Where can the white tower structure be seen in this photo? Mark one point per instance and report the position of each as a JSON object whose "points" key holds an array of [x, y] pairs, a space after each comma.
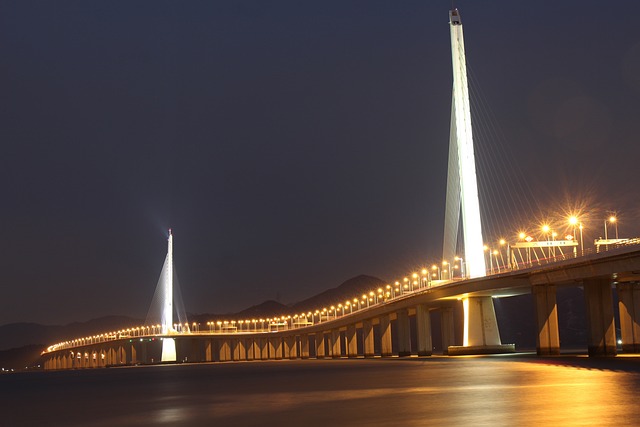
{"points": [[168, 344], [481, 333], [167, 306], [462, 184]]}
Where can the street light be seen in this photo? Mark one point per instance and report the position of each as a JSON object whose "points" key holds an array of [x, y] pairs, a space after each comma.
{"points": [[574, 221], [611, 220], [545, 230], [434, 268], [461, 261]]}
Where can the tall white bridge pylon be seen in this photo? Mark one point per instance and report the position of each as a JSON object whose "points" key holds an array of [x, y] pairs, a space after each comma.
{"points": [[462, 202], [161, 311]]}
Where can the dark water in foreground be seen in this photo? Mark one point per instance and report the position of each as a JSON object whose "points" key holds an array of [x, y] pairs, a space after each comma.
{"points": [[498, 390]]}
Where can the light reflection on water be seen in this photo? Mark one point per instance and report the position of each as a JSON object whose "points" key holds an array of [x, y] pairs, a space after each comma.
{"points": [[455, 391]]}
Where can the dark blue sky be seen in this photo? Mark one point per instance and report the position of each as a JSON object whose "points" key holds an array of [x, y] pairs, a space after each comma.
{"points": [[290, 145]]}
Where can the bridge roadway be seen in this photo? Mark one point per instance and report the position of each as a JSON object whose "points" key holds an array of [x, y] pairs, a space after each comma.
{"points": [[368, 332]]}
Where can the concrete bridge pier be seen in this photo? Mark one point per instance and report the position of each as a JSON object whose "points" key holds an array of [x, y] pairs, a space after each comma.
{"points": [[239, 349], [404, 333], [352, 343], [481, 335], [447, 329], [275, 348], [304, 346], [386, 349], [263, 348], [334, 344], [208, 351], [319, 341], [290, 347], [629, 306], [368, 338], [546, 311], [423, 331], [601, 330], [251, 349], [225, 350]]}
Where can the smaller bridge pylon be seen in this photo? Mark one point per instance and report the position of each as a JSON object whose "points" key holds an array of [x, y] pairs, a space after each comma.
{"points": [[161, 311]]}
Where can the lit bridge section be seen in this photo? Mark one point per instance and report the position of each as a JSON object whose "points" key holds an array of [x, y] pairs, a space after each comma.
{"points": [[365, 329]]}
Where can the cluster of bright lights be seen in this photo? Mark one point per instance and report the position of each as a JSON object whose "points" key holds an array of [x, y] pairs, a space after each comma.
{"points": [[137, 331], [422, 278]]}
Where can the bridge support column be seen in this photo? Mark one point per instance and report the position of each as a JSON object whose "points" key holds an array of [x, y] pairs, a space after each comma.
{"points": [[367, 338], [263, 348], [208, 353], [599, 306], [447, 329], [275, 348], [386, 349], [233, 349], [225, 350], [290, 347], [548, 337], [334, 344], [629, 306], [239, 350], [423, 331], [304, 346], [404, 333], [320, 353], [134, 353], [251, 349], [481, 335], [352, 343]]}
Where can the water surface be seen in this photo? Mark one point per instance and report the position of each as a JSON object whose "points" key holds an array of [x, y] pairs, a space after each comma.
{"points": [[489, 390]]}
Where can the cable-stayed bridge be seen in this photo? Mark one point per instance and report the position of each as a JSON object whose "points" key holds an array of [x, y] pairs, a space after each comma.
{"points": [[469, 276]]}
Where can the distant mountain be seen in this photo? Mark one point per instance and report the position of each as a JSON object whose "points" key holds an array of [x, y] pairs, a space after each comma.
{"points": [[352, 288], [268, 308]]}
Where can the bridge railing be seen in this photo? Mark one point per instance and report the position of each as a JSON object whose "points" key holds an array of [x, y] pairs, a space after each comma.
{"points": [[519, 259]]}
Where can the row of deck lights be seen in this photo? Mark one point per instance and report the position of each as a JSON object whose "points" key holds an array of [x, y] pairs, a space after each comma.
{"points": [[408, 284], [424, 279]]}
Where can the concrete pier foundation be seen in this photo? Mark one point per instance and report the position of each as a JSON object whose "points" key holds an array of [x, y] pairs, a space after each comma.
{"points": [[601, 332], [368, 338], [546, 312], [629, 307], [423, 331], [386, 349], [404, 333]]}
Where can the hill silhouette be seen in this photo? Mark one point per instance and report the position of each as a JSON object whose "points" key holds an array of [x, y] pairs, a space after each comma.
{"points": [[348, 290]]}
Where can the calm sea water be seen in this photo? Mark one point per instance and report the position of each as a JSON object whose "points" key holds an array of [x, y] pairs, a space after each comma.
{"points": [[490, 390]]}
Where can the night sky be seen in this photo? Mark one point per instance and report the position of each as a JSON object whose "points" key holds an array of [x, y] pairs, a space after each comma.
{"points": [[291, 145]]}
